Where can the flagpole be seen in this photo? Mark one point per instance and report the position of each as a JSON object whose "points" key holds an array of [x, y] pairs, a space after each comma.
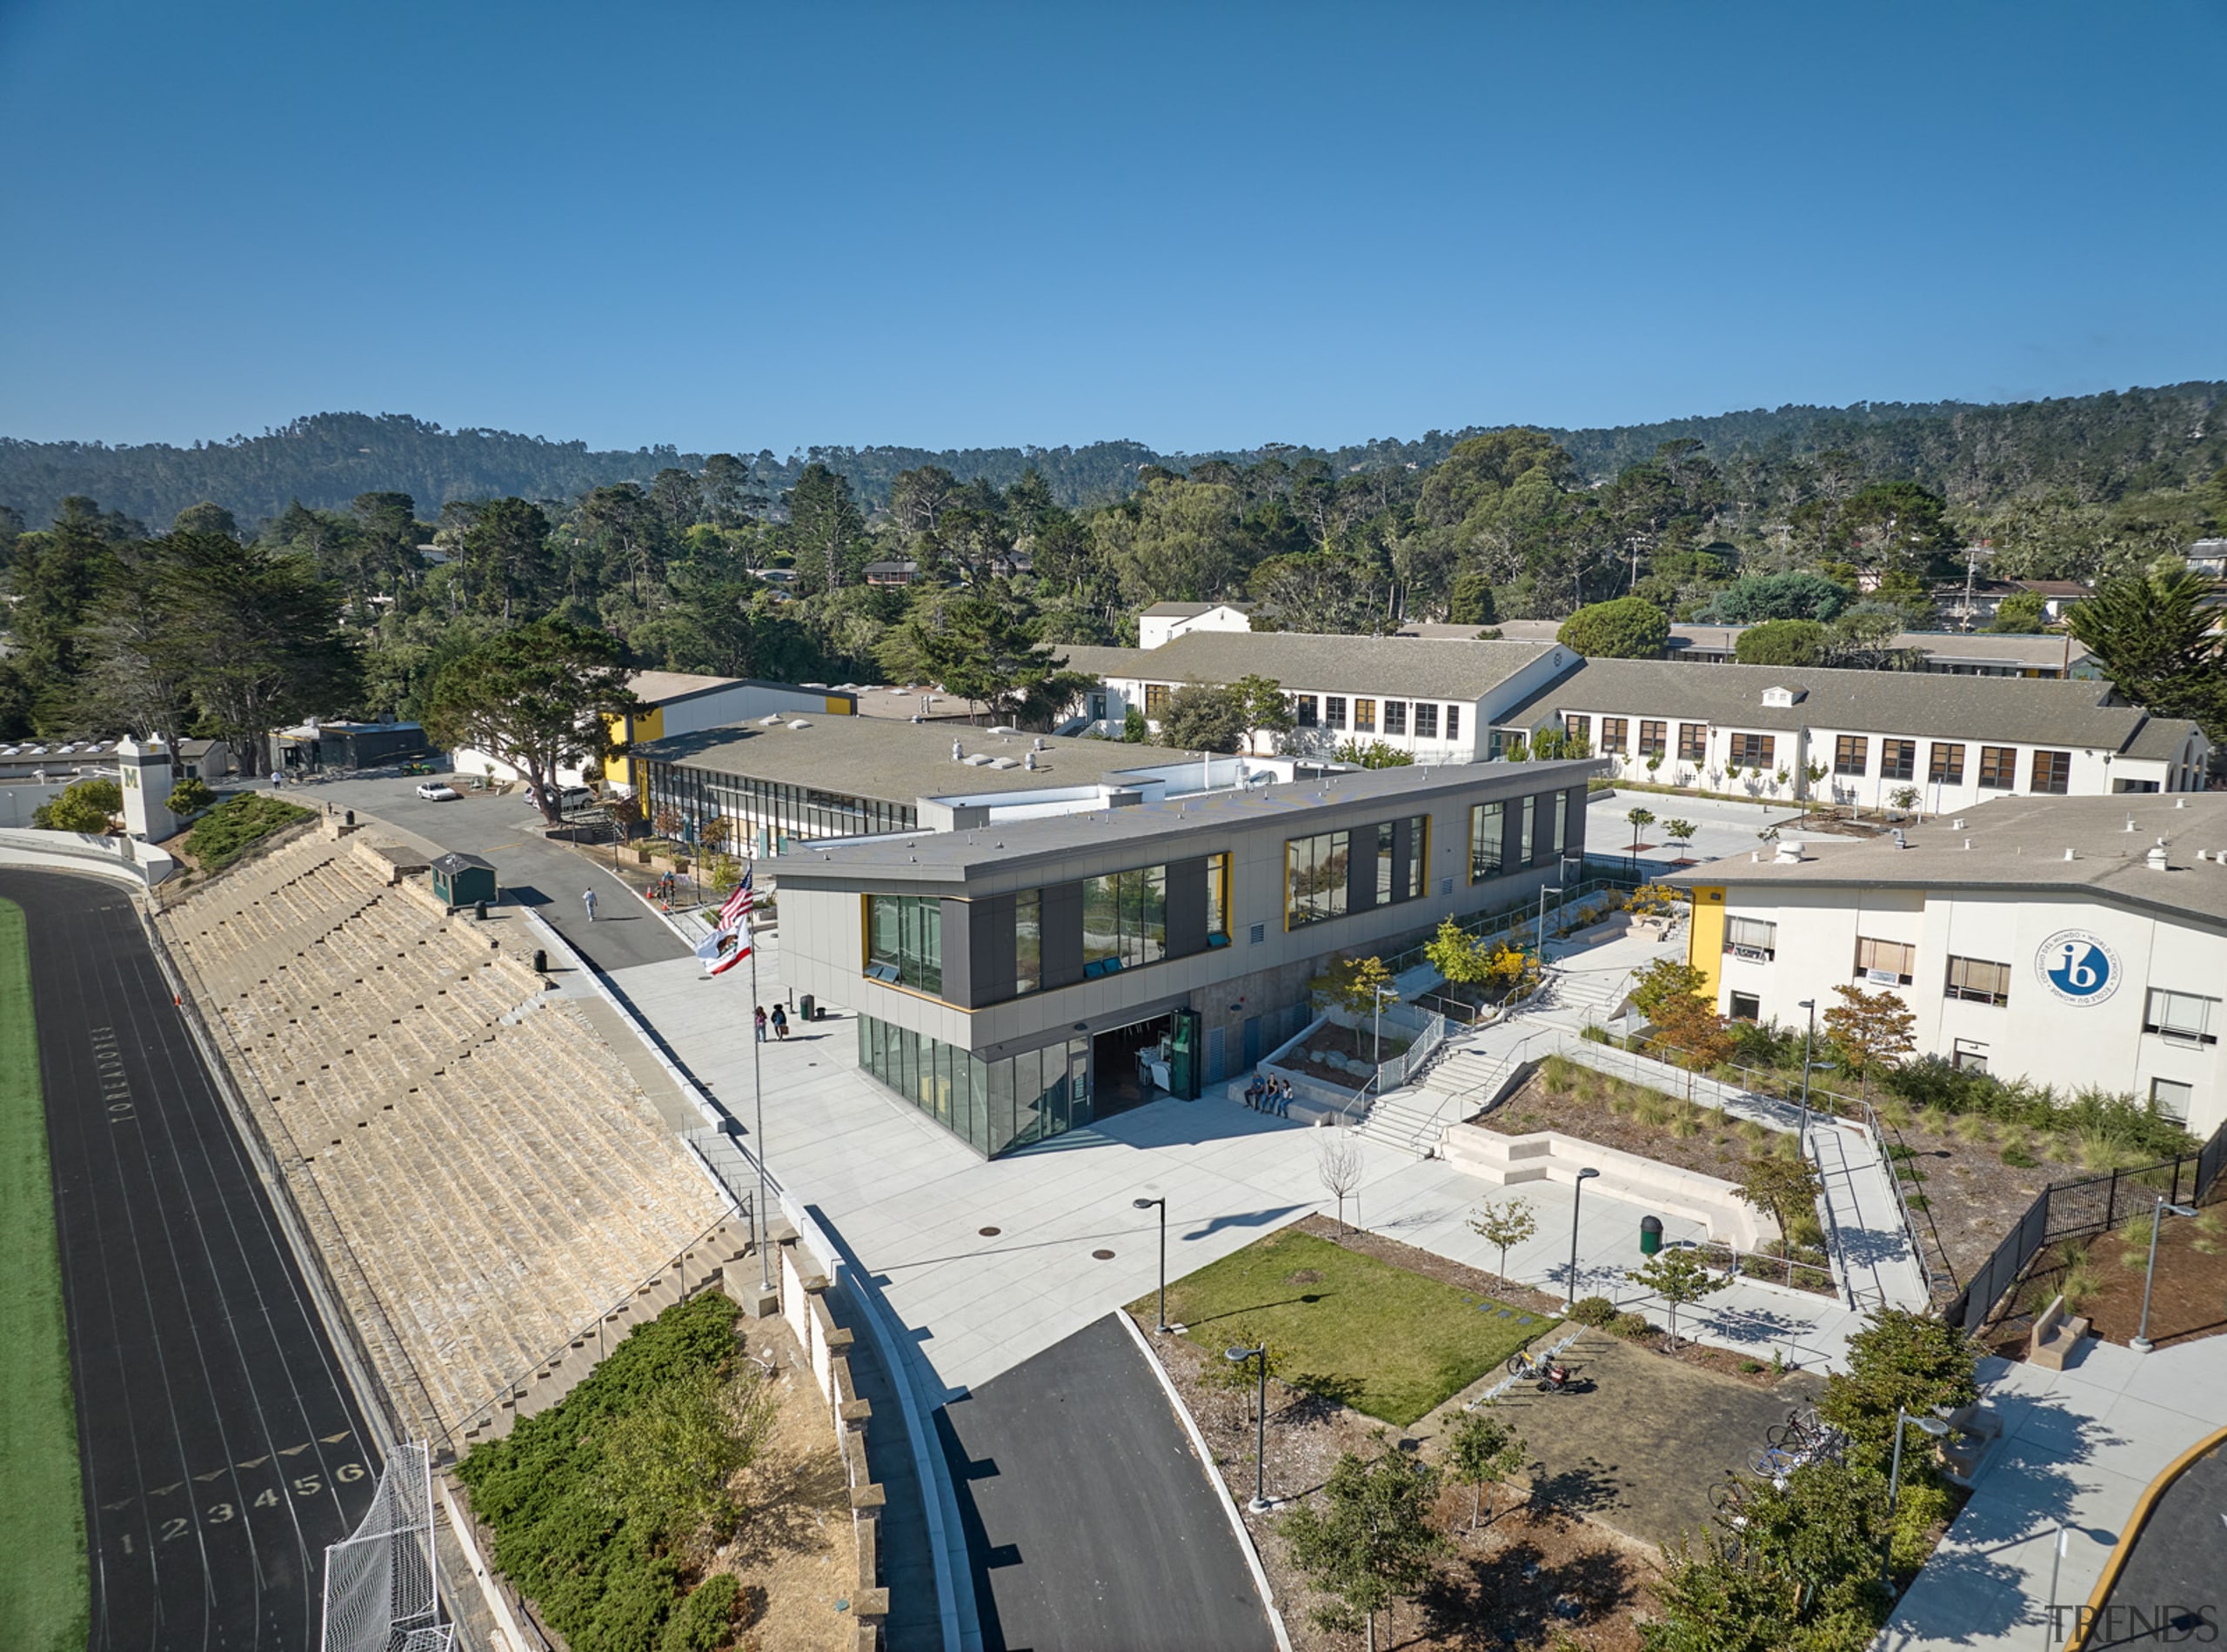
{"points": [[758, 1097]]}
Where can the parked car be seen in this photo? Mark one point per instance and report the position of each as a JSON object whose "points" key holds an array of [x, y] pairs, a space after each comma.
{"points": [[437, 792]]}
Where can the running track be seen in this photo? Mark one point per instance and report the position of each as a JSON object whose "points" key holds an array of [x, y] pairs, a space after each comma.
{"points": [[221, 1448]]}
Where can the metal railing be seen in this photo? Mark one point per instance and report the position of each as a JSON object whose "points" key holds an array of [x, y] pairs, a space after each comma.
{"points": [[1891, 1161], [1492, 925]]}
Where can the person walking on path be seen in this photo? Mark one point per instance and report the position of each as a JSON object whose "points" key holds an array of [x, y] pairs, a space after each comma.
{"points": [[759, 1018], [780, 1022], [587, 899]]}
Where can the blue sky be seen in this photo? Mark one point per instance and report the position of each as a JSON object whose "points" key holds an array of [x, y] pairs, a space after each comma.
{"points": [[735, 227]]}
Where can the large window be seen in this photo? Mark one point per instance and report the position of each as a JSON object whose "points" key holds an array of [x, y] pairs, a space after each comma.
{"points": [[1217, 901], [1304, 711], [1885, 962], [1426, 721], [1453, 722], [2053, 772], [1487, 822], [1124, 920], [1693, 742], [1752, 750], [1578, 728], [1851, 755], [993, 1105], [2171, 1099], [1391, 884], [1395, 716], [1333, 711], [1998, 767], [1315, 877], [1529, 836], [905, 941], [1946, 766], [1751, 938], [1562, 823], [1156, 698], [1977, 981], [1364, 717], [2181, 1018], [1613, 732], [1897, 759], [1028, 941], [1655, 739]]}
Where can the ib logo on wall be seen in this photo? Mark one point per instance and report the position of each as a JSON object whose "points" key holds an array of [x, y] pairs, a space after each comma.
{"points": [[2079, 967]]}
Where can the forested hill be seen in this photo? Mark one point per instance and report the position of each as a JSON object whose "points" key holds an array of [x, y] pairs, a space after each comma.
{"points": [[2093, 447]]}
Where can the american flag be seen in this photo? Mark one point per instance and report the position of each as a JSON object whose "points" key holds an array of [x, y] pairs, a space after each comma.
{"points": [[738, 906]]}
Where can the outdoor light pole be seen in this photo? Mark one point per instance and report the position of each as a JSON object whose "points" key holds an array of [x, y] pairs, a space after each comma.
{"points": [[1237, 1356], [1577, 1198], [1809, 1038], [1545, 889], [1932, 1425], [2142, 1344], [1146, 1204]]}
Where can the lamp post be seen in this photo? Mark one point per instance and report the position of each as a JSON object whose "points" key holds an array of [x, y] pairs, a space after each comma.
{"points": [[1577, 1198], [1237, 1356], [1932, 1425], [1809, 1038], [2142, 1344], [1146, 1204], [1545, 889]]}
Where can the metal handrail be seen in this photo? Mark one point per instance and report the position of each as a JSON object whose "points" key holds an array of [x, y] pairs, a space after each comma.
{"points": [[496, 1395], [1892, 1166]]}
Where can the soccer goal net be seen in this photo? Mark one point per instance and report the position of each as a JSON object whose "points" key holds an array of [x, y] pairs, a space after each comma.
{"points": [[380, 1594]]}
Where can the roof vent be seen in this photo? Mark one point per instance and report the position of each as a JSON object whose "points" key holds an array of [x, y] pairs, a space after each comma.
{"points": [[1038, 746], [1900, 841], [1006, 763], [772, 720], [2155, 858], [958, 753], [1790, 853], [798, 722], [2071, 855], [1030, 760], [2129, 823], [979, 759], [1960, 823], [2180, 803]]}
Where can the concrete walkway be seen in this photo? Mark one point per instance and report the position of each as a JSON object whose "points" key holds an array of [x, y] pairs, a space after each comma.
{"points": [[2078, 1449]]}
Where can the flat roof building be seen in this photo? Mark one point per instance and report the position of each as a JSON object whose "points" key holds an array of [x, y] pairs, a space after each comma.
{"points": [[1007, 979], [2071, 941], [1953, 742], [1955, 653]]}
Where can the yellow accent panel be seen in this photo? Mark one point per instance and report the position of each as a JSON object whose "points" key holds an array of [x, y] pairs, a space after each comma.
{"points": [[1705, 939], [841, 707], [650, 725]]}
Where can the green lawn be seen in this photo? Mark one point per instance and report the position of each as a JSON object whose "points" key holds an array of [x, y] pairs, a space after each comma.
{"points": [[43, 1580], [1386, 1341]]}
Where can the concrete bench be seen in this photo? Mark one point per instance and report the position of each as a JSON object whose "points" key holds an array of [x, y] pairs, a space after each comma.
{"points": [[1973, 1431], [2054, 1336]]}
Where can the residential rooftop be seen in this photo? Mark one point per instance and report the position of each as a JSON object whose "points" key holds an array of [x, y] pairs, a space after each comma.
{"points": [[2040, 650], [2011, 710], [1411, 667], [2017, 845], [951, 856], [669, 687]]}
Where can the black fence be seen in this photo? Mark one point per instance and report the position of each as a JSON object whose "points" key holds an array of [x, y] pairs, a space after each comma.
{"points": [[2072, 1209]]}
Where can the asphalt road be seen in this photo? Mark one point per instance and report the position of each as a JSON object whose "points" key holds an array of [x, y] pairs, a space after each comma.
{"points": [[533, 871], [2173, 1589], [221, 1450], [1090, 1523]]}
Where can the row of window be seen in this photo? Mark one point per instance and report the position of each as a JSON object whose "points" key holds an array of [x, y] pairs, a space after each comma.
{"points": [[779, 810], [2051, 773], [1489, 835], [1329, 711], [1318, 870], [2185, 1017]]}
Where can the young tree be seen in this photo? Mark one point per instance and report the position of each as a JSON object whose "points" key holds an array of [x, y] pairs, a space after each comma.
{"points": [[1340, 1164], [1870, 1031], [86, 806], [543, 697], [1692, 1026], [1502, 1225], [1782, 1188], [1662, 983], [1899, 1359], [1641, 818], [1482, 1451], [1370, 1543], [1680, 1277], [1680, 833], [1457, 955], [1626, 628], [191, 796], [1134, 730], [1266, 711]]}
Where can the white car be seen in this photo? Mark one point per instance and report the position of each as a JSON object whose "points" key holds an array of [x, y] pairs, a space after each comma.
{"points": [[438, 792]]}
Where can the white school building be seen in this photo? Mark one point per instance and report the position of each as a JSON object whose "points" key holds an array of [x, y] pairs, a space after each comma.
{"points": [[2070, 941]]}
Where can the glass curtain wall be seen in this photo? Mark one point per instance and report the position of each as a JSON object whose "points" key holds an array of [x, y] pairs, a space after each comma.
{"points": [[993, 1105], [1485, 827], [777, 810], [1124, 920], [1314, 877], [905, 941]]}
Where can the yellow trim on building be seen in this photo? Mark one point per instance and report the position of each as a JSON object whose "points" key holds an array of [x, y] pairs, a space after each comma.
{"points": [[1705, 939], [650, 725], [845, 707]]}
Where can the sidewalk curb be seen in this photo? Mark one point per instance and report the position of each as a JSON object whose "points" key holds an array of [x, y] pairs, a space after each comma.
{"points": [[2131, 1531], [1228, 1498]]}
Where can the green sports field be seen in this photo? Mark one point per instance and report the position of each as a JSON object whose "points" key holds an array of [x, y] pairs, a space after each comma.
{"points": [[43, 1579]]}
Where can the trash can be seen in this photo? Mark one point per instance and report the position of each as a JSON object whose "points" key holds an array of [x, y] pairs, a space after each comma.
{"points": [[479, 911], [352, 817], [808, 1008], [540, 962], [1650, 1236]]}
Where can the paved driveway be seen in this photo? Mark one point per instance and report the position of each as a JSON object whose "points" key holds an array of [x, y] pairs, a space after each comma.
{"points": [[1090, 1521]]}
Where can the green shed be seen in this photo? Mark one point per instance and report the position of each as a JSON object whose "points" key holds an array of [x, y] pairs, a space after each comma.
{"points": [[459, 880]]}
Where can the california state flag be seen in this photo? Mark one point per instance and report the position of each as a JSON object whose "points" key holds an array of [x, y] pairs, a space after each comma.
{"points": [[724, 949]]}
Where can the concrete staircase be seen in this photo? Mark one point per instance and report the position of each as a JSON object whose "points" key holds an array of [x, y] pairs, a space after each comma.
{"points": [[1581, 995]]}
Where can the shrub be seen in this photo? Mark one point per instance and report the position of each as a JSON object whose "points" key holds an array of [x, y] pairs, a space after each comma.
{"points": [[1622, 628], [84, 807], [2019, 1159], [230, 829], [705, 1618], [1559, 1074], [1596, 1311], [1631, 1327], [1594, 1032], [191, 796]]}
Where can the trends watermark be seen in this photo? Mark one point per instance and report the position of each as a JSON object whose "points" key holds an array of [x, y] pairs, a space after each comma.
{"points": [[2127, 1623]]}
